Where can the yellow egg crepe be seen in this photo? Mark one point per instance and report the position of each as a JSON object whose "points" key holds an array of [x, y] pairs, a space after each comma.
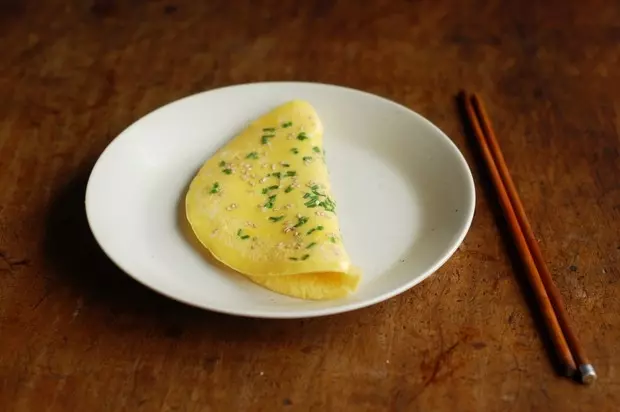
{"points": [[262, 205]]}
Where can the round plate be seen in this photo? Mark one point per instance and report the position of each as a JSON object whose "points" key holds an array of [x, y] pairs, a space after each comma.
{"points": [[404, 191]]}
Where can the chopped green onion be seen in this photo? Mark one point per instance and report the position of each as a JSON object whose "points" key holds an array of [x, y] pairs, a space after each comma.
{"points": [[252, 155], [301, 221], [286, 165], [269, 203], [306, 158], [269, 129], [293, 258], [311, 203], [304, 257], [287, 124], [294, 150], [215, 188], [332, 239], [288, 189], [328, 204], [316, 149], [241, 235], [291, 173], [227, 171], [265, 138], [276, 218], [268, 189], [311, 245], [307, 195], [314, 229], [302, 136], [276, 174], [222, 163]]}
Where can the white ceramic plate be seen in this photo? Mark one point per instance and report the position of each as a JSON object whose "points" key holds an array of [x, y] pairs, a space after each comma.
{"points": [[404, 191]]}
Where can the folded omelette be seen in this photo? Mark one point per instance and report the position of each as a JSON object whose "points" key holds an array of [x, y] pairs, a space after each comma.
{"points": [[262, 205]]}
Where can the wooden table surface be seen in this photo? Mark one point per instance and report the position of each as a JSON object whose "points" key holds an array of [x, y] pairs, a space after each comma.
{"points": [[76, 334]]}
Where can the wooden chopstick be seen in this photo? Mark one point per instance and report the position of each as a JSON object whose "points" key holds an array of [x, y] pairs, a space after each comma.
{"points": [[548, 314], [588, 374], [586, 370]]}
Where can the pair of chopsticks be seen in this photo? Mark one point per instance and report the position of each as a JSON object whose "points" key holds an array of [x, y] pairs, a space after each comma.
{"points": [[565, 342]]}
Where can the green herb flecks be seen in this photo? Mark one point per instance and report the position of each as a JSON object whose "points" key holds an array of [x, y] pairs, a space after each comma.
{"points": [[314, 229], [227, 171], [301, 221], [265, 138], [222, 163], [313, 202], [270, 201], [288, 189], [316, 149], [215, 188], [241, 235], [269, 189], [291, 173], [311, 245], [287, 124], [285, 165], [304, 257], [269, 129], [313, 198], [252, 155], [332, 238], [276, 218], [307, 158], [295, 150], [302, 136], [277, 174], [315, 191], [328, 204]]}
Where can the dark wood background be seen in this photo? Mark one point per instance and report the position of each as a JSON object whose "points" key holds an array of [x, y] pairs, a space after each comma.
{"points": [[76, 334]]}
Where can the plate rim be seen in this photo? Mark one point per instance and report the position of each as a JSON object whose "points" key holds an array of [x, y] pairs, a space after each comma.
{"points": [[306, 313]]}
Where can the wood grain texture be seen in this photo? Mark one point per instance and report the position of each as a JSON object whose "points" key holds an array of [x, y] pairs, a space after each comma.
{"points": [[76, 334]]}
